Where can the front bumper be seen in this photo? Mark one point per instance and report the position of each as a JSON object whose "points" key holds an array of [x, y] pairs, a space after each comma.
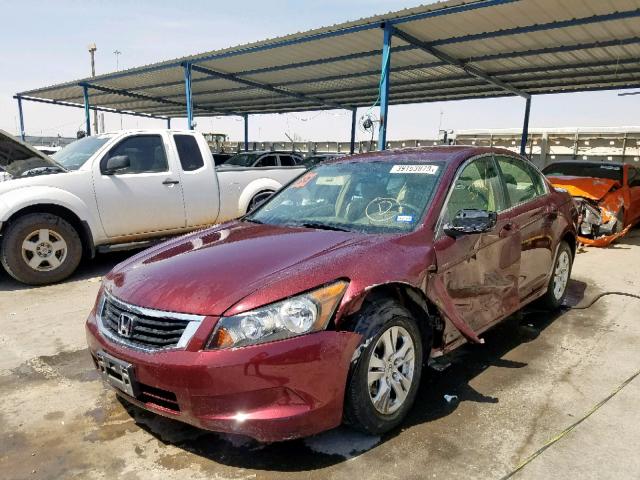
{"points": [[271, 392]]}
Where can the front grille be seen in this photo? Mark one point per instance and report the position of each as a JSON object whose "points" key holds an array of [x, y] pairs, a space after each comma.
{"points": [[147, 329]]}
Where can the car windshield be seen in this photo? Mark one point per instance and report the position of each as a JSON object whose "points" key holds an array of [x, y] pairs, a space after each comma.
{"points": [[74, 155], [242, 160], [371, 197], [577, 169]]}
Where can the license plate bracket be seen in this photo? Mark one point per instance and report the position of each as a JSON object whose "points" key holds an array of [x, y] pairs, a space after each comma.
{"points": [[117, 373]]}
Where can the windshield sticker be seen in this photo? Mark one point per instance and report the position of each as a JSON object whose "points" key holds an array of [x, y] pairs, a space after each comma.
{"points": [[405, 218], [424, 169], [306, 178], [337, 180]]}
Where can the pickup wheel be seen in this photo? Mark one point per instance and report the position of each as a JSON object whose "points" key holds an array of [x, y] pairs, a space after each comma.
{"points": [[40, 248], [557, 289], [384, 381], [258, 199]]}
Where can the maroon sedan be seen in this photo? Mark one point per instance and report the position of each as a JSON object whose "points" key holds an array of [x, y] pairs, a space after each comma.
{"points": [[324, 304]]}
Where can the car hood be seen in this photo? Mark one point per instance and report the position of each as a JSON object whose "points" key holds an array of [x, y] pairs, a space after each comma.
{"points": [[208, 272], [18, 159], [587, 187]]}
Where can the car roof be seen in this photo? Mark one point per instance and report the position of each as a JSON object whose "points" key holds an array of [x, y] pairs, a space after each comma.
{"points": [[441, 153], [585, 162]]}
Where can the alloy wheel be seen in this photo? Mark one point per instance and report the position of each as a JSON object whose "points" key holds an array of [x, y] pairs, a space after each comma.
{"points": [[44, 250], [561, 275], [391, 370]]}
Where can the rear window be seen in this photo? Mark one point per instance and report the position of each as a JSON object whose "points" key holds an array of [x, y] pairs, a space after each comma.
{"points": [[577, 169], [287, 161], [188, 152]]}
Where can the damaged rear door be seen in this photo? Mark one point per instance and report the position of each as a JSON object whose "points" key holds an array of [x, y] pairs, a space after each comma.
{"points": [[477, 274]]}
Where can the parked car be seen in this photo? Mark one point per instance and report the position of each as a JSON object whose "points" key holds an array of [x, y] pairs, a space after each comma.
{"points": [[220, 158], [114, 191], [317, 158], [608, 196], [263, 159], [324, 303]]}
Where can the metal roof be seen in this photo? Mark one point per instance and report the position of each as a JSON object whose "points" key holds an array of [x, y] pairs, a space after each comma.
{"points": [[449, 50]]}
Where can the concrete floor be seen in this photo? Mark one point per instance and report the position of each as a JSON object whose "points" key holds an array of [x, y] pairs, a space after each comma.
{"points": [[535, 376]]}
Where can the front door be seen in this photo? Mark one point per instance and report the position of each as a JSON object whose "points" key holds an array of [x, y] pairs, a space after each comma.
{"points": [[478, 272], [147, 196]]}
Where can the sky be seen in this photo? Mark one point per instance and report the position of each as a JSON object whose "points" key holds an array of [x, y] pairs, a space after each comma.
{"points": [[45, 42]]}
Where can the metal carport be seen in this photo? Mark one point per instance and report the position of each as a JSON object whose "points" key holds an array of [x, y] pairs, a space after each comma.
{"points": [[451, 50]]}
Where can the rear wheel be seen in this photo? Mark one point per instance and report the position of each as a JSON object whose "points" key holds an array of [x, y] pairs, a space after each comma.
{"points": [[557, 289], [40, 248], [385, 379]]}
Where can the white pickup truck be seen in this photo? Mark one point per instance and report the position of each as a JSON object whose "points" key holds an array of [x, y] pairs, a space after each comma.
{"points": [[115, 191]]}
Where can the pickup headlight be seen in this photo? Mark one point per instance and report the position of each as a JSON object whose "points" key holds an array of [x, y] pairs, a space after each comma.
{"points": [[299, 315]]}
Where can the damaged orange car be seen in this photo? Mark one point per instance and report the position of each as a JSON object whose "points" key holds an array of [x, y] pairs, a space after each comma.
{"points": [[607, 194]]}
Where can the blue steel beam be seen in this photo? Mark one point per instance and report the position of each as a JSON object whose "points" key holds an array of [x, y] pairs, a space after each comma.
{"points": [[78, 105], [87, 116], [20, 114], [384, 85], [354, 118], [187, 94], [525, 127], [266, 86], [469, 69], [246, 131]]}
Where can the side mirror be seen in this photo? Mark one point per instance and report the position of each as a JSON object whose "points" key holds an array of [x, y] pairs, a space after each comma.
{"points": [[117, 163], [470, 221]]}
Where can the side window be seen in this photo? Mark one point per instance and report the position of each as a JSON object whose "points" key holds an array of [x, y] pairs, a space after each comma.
{"points": [[519, 179], [634, 177], [477, 187], [287, 161], [268, 161], [146, 154], [188, 152]]}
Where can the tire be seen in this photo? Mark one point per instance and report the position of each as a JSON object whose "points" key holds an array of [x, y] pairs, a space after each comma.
{"points": [[40, 248], [258, 199], [560, 275], [365, 406]]}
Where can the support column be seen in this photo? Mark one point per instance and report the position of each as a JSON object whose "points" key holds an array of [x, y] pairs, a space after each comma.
{"points": [[187, 92], [354, 117], [525, 128], [87, 115], [246, 131], [169, 123], [21, 116], [384, 86]]}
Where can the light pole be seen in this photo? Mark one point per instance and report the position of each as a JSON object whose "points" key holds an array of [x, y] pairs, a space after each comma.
{"points": [[92, 52], [117, 53]]}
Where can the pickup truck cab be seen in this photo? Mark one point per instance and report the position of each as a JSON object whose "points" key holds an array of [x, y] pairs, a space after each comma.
{"points": [[115, 191]]}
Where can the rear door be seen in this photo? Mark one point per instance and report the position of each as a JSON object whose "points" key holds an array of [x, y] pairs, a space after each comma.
{"points": [[199, 180], [530, 212], [479, 272], [146, 197]]}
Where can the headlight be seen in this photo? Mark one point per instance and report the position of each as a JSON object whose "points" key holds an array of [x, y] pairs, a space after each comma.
{"points": [[306, 313]]}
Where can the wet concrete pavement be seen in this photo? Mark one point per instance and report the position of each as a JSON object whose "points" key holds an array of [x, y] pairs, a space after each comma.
{"points": [[536, 375]]}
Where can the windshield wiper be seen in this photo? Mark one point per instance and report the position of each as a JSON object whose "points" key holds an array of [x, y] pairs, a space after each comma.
{"points": [[323, 226]]}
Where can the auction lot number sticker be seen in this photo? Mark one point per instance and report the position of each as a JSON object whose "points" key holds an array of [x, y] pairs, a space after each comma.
{"points": [[424, 169]]}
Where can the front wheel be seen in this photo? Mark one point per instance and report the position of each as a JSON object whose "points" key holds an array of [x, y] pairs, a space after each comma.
{"points": [[385, 379], [557, 289], [40, 248]]}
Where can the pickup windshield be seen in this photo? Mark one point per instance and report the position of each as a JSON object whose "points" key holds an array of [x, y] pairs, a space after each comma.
{"points": [[372, 197], [577, 169], [74, 155]]}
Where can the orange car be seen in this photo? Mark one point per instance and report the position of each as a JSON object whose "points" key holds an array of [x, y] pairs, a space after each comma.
{"points": [[607, 194]]}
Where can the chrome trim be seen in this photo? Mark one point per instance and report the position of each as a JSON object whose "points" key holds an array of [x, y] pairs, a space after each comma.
{"points": [[187, 335]]}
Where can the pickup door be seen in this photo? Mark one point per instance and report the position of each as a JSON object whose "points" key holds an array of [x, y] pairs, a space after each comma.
{"points": [[147, 196]]}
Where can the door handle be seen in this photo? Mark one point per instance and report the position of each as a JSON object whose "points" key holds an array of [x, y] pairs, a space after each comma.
{"points": [[552, 212], [506, 230], [169, 181]]}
